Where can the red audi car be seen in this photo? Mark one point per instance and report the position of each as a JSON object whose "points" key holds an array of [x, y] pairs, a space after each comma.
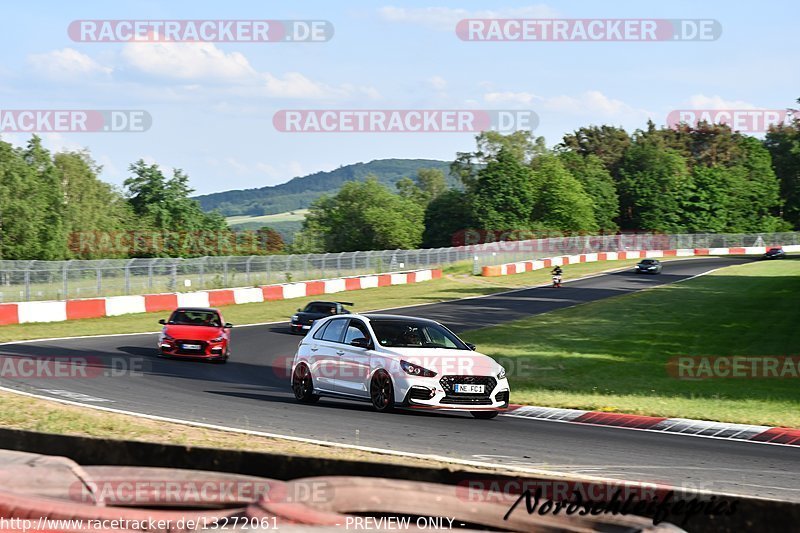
{"points": [[196, 333]]}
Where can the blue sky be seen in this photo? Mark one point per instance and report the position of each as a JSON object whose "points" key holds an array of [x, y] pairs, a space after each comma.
{"points": [[212, 104]]}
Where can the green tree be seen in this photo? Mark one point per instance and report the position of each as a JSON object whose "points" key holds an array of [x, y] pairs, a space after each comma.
{"points": [[429, 183], [653, 184], [561, 201], [783, 143], [755, 191], [520, 145], [504, 193], [21, 215], [609, 143], [49, 199], [598, 184], [164, 205], [90, 205], [706, 202], [447, 215], [361, 216]]}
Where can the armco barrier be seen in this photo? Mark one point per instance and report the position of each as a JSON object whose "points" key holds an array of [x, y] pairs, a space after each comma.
{"points": [[56, 311], [538, 264]]}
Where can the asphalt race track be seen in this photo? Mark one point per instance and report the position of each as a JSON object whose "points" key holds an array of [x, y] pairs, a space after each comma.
{"points": [[252, 391]]}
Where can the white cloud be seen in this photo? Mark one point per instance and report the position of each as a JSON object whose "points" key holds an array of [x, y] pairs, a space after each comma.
{"points": [[204, 62], [523, 98], [591, 104], [445, 18], [66, 63], [701, 101], [188, 61], [438, 83], [237, 166]]}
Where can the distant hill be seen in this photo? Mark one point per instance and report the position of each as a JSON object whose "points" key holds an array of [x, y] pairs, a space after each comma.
{"points": [[298, 193]]}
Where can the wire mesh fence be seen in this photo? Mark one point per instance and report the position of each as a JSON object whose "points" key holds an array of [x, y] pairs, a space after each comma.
{"points": [[58, 280]]}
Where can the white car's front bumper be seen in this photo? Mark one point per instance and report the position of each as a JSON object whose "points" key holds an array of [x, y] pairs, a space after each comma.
{"points": [[438, 393]]}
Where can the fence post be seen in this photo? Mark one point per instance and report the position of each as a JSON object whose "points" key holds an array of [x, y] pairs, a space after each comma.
{"points": [[150, 263], [65, 279], [247, 269], [27, 285], [225, 272], [269, 267], [128, 276], [202, 268], [339, 264], [99, 281]]}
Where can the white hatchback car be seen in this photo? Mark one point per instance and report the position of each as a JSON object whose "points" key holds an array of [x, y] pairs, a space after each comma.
{"points": [[397, 361]]}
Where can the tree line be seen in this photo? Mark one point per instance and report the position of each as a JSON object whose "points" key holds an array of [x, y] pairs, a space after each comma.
{"points": [[54, 206], [703, 178], [690, 179]]}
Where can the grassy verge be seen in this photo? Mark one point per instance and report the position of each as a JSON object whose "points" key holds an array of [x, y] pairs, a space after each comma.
{"points": [[32, 414], [611, 354], [457, 282]]}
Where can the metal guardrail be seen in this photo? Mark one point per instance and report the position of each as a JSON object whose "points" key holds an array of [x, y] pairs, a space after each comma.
{"points": [[58, 280]]}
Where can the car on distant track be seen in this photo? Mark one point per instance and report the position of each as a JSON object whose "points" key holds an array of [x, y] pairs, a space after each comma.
{"points": [[397, 361], [195, 333], [648, 266], [774, 253], [302, 321]]}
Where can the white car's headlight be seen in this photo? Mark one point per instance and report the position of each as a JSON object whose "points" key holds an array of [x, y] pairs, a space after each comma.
{"points": [[502, 373], [415, 370]]}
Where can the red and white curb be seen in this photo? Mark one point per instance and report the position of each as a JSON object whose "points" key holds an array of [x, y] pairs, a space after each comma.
{"points": [[58, 311], [519, 267], [683, 426]]}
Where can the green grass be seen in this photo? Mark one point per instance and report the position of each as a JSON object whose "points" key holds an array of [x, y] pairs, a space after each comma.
{"points": [[611, 354], [288, 216], [456, 283]]}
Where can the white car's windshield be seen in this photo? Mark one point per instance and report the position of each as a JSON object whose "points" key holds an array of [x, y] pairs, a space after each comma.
{"points": [[414, 334]]}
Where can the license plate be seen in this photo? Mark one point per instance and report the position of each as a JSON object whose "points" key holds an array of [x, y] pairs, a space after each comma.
{"points": [[470, 389], [190, 346], [306, 327]]}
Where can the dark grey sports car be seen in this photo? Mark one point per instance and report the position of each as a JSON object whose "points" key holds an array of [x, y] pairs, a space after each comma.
{"points": [[648, 266], [301, 322], [775, 253]]}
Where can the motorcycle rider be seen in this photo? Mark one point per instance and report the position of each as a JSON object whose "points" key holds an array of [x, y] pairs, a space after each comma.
{"points": [[557, 272]]}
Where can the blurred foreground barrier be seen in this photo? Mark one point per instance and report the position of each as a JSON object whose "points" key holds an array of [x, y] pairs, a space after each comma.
{"points": [[158, 487]]}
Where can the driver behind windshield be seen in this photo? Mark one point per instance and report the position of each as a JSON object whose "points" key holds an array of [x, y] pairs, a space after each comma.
{"points": [[411, 337]]}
